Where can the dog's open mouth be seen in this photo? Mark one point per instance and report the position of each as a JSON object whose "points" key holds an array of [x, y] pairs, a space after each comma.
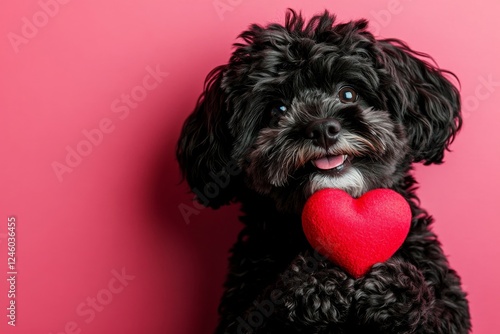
{"points": [[330, 162]]}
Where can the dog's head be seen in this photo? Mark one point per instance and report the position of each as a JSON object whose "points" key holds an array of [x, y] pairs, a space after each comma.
{"points": [[315, 105]]}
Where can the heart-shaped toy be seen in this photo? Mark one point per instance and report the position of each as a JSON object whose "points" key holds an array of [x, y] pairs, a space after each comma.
{"points": [[356, 233]]}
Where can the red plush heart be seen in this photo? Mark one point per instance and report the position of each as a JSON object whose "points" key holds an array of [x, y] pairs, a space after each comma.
{"points": [[356, 233]]}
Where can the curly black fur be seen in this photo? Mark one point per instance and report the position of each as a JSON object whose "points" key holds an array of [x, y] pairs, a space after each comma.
{"points": [[257, 111]]}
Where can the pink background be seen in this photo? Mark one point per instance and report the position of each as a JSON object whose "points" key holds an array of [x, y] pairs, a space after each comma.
{"points": [[119, 206]]}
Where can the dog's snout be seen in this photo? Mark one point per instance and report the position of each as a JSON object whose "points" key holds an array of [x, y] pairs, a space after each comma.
{"points": [[323, 132]]}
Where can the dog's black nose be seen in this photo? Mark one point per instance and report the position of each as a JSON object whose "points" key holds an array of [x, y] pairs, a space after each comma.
{"points": [[323, 132]]}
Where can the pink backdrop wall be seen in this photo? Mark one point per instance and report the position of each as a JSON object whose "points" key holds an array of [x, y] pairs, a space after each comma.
{"points": [[101, 245]]}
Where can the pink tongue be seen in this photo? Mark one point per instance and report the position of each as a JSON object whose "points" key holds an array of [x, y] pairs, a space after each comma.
{"points": [[329, 162]]}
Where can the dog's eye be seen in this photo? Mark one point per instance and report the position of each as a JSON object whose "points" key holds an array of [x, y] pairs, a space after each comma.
{"points": [[278, 110], [347, 95]]}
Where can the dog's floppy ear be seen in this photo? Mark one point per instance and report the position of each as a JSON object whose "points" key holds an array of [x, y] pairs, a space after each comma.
{"points": [[423, 100], [204, 146]]}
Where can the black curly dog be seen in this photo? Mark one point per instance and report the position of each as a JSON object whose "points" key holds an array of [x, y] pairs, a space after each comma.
{"points": [[290, 97]]}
